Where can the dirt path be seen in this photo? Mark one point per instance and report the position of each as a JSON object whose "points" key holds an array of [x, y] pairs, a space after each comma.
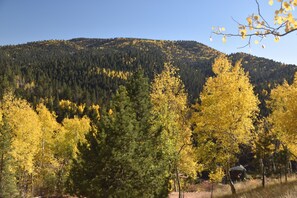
{"points": [[191, 195]]}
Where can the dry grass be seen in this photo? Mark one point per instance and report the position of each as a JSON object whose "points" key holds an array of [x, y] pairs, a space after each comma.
{"points": [[248, 189], [285, 190], [254, 189]]}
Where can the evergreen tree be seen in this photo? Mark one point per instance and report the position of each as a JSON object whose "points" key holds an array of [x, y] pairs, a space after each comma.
{"points": [[148, 182], [112, 151], [139, 93], [86, 167], [117, 176]]}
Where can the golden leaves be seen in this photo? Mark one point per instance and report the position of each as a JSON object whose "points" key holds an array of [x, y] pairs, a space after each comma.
{"points": [[287, 6], [290, 18], [276, 39], [249, 20], [284, 111], [228, 106], [221, 65], [257, 25], [278, 19], [256, 17], [217, 175], [224, 39], [25, 126], [169, 101], [243, 33]]}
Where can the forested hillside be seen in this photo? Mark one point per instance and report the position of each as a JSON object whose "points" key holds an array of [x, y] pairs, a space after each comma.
{"points": [[139, 118], [89, 70]]}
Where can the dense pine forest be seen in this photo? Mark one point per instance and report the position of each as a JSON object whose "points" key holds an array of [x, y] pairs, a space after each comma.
{"points": [[139, 118], [90, 70]]}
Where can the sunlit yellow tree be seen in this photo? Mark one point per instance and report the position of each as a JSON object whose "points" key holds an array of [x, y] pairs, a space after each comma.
{"points": [[71, 134], [284, 115], [8, 187], [224, 118], [45, 162], [23, 124], [284, 110], [169, 101]]}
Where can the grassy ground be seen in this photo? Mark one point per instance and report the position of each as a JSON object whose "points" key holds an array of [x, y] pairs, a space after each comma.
{"points": [[284, 190], [249, 189]]}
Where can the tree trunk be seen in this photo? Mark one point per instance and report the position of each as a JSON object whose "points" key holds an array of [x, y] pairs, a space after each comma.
{"points": [[280, 174], [32, 185], [233, 190], [174, 185], [290, 168], [211, 194], [1, 168], [286, 173], [262, 172], [178, 183], [273, 165]]}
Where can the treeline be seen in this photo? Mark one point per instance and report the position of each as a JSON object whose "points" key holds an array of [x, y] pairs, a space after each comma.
{"points": [[133, 148], [90, 70], [146, 140]]}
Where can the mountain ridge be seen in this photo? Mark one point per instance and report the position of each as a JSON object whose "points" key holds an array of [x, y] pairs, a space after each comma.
{"points": [[90, 69]]}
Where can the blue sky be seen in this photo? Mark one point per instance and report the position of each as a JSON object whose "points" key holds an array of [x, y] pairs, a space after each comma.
{"points": [[23, 21]]}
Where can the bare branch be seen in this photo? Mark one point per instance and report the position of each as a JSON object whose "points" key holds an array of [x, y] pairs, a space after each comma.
{"points": [[258, 26], [248, 44], [259, 13]]}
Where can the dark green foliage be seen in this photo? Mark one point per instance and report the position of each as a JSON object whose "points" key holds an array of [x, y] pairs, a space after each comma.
{"points": [[109, 167], [120, 159], [151, 182], [86, 168], [139, 93]]}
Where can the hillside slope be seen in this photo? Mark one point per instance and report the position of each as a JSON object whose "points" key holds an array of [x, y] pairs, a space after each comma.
{"points": [[89, 70]]}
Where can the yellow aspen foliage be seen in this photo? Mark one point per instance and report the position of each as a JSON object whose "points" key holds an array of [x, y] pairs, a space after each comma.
{"points": [[284, 112], [74, 132], [81, 108], [1, 123], [68, 137], [169, 101], [68, 105], [26, 129], [94, 112], [49, 129], [224, 118], [46, 163], [257, 25], [224, 39], [216, 175]]}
